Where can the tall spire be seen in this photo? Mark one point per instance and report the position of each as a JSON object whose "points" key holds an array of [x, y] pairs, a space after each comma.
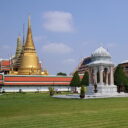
{"points": [[23, 34], [29, 40], [16, 59], [29, 64], [19, 47]]}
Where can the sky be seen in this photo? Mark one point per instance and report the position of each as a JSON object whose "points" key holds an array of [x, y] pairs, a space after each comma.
{"points": [[65, 31]]}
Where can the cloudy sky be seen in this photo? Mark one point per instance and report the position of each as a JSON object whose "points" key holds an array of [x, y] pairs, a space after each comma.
{"points": [[65, 31]]}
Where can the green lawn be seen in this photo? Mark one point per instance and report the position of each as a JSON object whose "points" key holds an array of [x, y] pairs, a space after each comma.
{"points": [[36, 110]]}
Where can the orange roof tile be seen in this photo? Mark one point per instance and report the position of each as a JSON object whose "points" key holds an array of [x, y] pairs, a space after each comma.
{"points": [[5, 62], [37, 79], [1, 77]]}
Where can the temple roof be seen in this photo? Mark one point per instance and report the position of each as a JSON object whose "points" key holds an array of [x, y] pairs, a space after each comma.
{"points": [[101, 52], [123, 62], [101, 62], [5, 63], [101, 56]]}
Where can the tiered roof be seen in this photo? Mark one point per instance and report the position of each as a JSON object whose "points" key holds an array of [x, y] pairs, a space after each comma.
{"points": [[5, 65]]}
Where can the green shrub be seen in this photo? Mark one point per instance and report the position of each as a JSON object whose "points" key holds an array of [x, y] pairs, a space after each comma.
{"points": [[38, 91], [82, 92], [95, 88], [51, 91], [21, 91], [3, 91]]}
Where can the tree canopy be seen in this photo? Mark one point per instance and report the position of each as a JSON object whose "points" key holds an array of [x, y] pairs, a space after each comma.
{"points": [[120, 77], [61, 74], [85, 79], [75, 82]]}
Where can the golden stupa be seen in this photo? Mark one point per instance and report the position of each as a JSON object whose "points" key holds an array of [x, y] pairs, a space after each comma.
{"points": [[29, 62], [17, 58]]}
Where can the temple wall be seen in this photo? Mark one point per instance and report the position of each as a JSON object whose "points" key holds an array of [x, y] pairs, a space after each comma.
{"points": [[33, 88]]}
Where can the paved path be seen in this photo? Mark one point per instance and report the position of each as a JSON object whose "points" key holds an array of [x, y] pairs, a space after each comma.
{"points": [[76, 96]]}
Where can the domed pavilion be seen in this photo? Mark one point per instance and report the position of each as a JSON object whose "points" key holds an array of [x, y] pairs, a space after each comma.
{"points": [[101, 79]]}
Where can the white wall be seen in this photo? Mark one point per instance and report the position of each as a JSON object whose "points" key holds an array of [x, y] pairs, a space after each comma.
{"points": [[33, 88]]}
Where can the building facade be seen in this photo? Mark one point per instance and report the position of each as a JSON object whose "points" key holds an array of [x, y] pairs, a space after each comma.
{"points": [[83, 65]]}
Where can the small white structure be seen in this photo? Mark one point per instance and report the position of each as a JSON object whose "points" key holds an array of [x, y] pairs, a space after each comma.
{"points": [[101, 79]]}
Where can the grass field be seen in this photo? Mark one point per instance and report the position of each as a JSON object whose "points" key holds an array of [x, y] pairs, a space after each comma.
{"points": [[36, 110]]}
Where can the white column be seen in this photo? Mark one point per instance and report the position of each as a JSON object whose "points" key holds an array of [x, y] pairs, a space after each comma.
{"points": [[90, 82], [107, 78], [101, 74], [111, 76], [95, 75]]}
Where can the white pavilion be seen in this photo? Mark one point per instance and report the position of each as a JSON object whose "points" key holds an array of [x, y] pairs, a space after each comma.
{"points": [[101, 79]]}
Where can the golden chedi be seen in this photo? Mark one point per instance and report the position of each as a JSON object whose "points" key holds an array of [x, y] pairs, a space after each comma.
{"points": [[15, 61], [29, 64], [19, 47], [17, 58]]}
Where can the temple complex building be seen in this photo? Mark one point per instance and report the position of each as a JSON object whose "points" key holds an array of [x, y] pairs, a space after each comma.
{"points": [[83, 65], [24, 71]]}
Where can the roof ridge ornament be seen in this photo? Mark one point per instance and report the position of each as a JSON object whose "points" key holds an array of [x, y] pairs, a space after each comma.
{"points": [[101, 44]]}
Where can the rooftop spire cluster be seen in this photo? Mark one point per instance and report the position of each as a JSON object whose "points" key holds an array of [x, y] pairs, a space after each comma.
{"points": [[28, 62]]}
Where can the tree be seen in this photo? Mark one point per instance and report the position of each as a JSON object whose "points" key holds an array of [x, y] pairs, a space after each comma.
{"points": [[85, 79], [61, 74], [75, 82], [120, 78]]}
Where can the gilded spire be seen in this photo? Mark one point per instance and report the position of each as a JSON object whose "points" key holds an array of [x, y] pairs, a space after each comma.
{"points": [[29, 64], [29, 41], [19, 47], [16, 59]]}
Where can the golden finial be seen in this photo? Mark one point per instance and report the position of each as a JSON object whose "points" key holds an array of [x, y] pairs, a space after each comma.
{"points": [[101, 44], [29, 22]]}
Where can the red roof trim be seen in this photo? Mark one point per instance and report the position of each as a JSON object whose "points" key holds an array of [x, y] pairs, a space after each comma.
{"points": [[37, 79], [35, 84]]}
